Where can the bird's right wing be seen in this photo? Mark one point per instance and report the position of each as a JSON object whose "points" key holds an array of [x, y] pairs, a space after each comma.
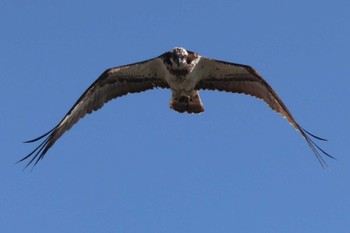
{"points": [[112, 83]]}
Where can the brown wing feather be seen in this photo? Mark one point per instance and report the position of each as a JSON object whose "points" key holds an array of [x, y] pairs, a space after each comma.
{"points": [[112, 83], [237, 78]]}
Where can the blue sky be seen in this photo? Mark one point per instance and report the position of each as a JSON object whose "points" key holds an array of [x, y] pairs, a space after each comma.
{"points": [[136, 165]]}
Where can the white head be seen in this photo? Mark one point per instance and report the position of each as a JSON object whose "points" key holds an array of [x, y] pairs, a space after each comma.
{"points": [[179, 57]]}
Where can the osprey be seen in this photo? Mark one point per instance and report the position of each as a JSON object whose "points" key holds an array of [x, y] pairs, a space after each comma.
{"points": [[184, 73]]}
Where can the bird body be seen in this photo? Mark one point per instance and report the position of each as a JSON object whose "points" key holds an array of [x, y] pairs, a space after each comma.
{"points": [[184, 73]]}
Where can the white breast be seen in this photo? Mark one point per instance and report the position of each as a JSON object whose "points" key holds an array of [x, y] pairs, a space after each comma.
{"points": [[184, 84]]}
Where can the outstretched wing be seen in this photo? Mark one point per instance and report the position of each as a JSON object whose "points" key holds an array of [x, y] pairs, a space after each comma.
{"points": [[112, 83], [237, 78]]}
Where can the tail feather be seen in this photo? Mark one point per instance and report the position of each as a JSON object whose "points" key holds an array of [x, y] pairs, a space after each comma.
{"points": [[190, 104]]}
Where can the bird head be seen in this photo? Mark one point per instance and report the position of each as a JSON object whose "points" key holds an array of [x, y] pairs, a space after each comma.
{"points": [[179, 57]]}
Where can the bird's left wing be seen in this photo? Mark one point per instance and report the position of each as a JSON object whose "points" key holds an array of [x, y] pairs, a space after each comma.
{"points": [[243, 79], [112, 83]]}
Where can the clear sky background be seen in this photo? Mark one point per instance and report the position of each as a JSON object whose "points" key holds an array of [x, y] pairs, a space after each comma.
{"points": [[136, 165]]}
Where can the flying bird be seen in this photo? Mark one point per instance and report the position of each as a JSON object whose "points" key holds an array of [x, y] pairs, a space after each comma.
{"points": [[184, 73]]}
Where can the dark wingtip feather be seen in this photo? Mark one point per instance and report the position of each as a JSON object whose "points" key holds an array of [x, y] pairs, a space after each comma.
{"points": [[318, 151], [313, 135], [40, 137], [38, 153]]}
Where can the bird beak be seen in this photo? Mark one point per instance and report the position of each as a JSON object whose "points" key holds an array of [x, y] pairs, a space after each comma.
{"points": [[178, 62]]}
